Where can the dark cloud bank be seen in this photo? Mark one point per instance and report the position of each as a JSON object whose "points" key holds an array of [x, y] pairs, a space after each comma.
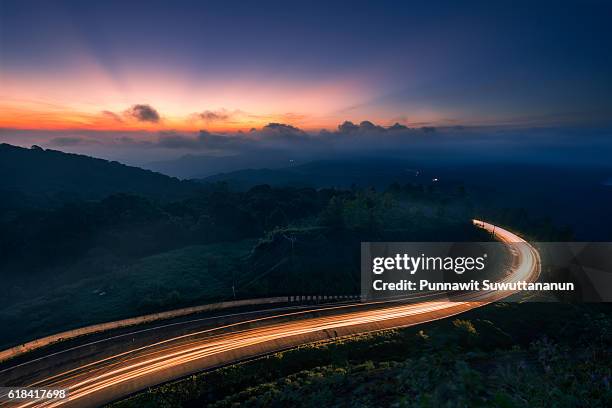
{"points": [[279, 145], [203, 153]]}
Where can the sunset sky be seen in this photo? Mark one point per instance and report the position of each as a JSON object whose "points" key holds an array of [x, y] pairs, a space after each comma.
{"points": [[117, 66]]}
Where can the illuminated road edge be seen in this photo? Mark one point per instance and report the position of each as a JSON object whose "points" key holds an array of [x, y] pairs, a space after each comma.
{"points": [[130, 371]]}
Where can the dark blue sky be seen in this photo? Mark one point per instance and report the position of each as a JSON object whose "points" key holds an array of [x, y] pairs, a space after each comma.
{"points": [[233, 65]]}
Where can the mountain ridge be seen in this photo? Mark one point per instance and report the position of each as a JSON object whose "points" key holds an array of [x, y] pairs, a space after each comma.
{"points": [[47, 176]]}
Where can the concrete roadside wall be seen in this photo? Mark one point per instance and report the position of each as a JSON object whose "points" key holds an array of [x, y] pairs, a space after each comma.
{"points": [[70, 334]]}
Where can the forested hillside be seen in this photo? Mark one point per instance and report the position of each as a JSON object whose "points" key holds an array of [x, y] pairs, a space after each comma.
{"points": [[36, 177]]}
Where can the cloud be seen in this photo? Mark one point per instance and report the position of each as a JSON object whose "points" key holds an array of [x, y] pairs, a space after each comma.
{"points": [[282, 128], [347, 127], [67, 141], [205, 141], [275, 138], [364, 126], [129, 141], [172, 140], [177, 142], [112, 115], [214, 116], [371, 127], [278, 143], [281, 135], [143, 113], [349, 136], [397, 127], [271, 136], [100, 139]]}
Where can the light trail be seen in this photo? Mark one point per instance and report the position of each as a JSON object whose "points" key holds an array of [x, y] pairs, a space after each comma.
{"points": [[135, 368]]}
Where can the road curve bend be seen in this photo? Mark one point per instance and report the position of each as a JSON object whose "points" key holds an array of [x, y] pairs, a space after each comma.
{"points": [[117, 368]]}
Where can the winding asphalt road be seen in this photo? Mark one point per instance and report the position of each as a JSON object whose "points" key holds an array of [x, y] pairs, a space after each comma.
{"points": [[109, 369]]}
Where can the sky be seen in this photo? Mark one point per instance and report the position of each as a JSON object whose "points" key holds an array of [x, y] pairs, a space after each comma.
{"points": [[113, 71]]}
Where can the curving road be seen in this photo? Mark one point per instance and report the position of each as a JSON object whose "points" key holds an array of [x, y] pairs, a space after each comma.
{"points": [[102, 371]]}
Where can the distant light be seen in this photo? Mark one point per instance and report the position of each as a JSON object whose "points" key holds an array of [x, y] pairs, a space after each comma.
{"points": [[434, 180]]}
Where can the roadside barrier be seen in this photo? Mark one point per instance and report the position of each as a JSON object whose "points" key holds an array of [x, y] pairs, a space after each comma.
{"points": [[96, 328]]}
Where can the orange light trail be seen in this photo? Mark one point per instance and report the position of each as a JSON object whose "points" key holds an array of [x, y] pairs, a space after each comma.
{"points": [[120, 374]]}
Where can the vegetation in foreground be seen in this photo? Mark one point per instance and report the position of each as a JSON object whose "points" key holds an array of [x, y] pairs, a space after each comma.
{"points": [[73, 256], [93, 261], [503, 355]]}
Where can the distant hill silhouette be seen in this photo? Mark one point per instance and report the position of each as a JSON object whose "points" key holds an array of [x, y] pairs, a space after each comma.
{"points": [[324, 173], [200, 166], [35, 176]]}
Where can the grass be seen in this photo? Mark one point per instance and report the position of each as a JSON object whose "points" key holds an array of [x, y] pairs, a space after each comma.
{"points": [[182, 277]]}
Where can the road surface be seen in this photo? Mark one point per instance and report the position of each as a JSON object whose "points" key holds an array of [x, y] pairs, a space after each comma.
{"points": [[109, 369]]}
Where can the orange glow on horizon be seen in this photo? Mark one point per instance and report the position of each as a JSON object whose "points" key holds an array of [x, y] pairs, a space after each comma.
{"points": [[90, 98], [67, 120]]}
